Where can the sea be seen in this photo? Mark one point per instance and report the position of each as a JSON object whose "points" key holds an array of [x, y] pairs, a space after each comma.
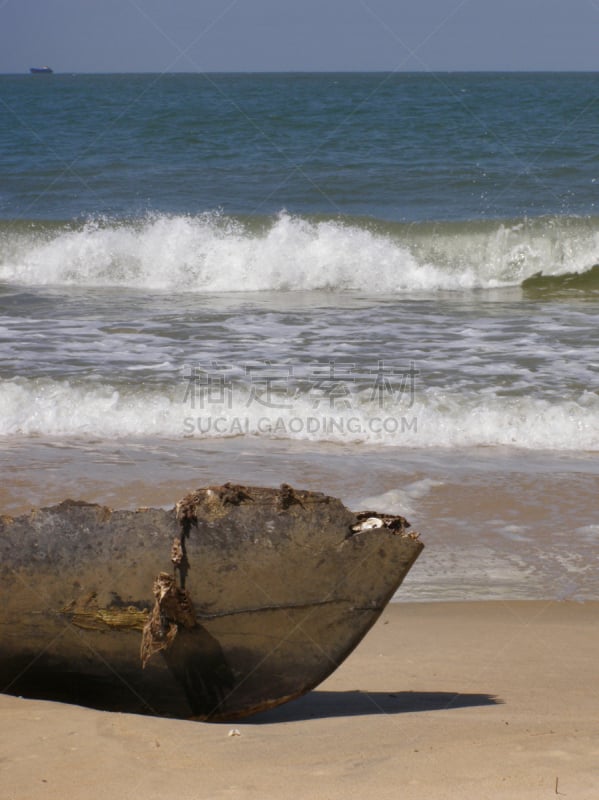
{"points": [[383, 286]]}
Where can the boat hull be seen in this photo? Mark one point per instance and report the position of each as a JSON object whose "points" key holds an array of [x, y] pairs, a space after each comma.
{"points": [[237, 600]]}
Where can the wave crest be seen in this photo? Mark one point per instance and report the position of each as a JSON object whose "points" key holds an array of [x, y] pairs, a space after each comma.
{"points": [[211, 253]]}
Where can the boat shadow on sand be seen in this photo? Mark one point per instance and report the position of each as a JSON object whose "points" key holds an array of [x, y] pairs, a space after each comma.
{"points": [[318, 704], [323, 704]]}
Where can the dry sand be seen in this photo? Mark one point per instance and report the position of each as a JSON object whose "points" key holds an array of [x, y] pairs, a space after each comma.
{"points": [[461, 700]]}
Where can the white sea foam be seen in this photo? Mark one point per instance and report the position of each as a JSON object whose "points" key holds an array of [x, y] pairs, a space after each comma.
{"points": [[209, 253], [48, 407], [404, 500]]}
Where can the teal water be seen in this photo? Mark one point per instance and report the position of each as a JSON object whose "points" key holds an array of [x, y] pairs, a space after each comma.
{"points": [[400, 147], [360, 227]]}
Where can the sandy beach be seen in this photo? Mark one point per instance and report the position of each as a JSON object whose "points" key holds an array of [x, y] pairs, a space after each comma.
{"points": [[455, 700]]}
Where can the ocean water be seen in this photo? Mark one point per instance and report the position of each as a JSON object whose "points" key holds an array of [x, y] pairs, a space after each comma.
{"points": [[383, 286]]}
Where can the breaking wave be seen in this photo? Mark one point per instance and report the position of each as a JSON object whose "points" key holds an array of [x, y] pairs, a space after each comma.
{"points": [[211, 253], [433, 418]]}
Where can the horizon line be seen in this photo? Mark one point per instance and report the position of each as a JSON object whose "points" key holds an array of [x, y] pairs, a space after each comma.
{"points": [[348, 71]]}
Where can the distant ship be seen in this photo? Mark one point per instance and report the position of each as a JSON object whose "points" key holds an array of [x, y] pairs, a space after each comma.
{"points": [[41, 70]]}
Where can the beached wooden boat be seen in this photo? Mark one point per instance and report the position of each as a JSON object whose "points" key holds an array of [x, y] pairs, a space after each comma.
{"points": [[237, 600]]}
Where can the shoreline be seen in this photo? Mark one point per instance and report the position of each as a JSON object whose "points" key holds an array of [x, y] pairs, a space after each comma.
{"points": [[441, 700]]}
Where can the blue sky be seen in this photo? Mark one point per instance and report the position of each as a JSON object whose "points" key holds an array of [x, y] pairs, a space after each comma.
{"points": [[265, 35]]}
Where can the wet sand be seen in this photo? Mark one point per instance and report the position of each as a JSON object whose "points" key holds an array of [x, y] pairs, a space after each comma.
{"points": [[440, 700]]}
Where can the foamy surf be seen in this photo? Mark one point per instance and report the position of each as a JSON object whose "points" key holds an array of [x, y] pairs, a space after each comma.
{"points": [[434, 418], [211, 253]]}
